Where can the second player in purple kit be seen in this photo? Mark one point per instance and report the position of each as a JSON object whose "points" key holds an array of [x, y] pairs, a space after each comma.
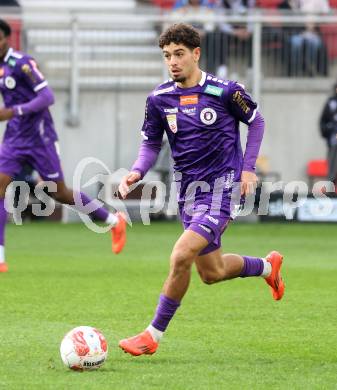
{"points": [[30, 137], [200, 115]]}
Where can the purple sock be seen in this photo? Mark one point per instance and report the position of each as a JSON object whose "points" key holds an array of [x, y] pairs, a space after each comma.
{"points": [[3, 220], [164, 313], [101, 213], [252, 266]]}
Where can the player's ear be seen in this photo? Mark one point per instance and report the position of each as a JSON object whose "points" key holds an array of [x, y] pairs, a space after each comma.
{"points": [[196, 54]]}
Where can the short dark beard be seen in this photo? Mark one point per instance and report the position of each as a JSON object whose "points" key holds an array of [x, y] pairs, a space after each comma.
{"points": [[180, 79]]}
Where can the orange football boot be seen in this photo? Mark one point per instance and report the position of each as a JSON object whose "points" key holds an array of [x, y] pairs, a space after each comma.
{"points": [[118, 233], [141, 344], [3, 267], [275, 279]]}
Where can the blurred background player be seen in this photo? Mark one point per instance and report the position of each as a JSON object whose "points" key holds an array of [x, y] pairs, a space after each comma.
{"points": [[200, 115], [30, 137], [328, 126]]}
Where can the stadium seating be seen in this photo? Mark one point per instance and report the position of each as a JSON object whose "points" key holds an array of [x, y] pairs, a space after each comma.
{"points": [[317, 169], [268, 3], [107, 52]]}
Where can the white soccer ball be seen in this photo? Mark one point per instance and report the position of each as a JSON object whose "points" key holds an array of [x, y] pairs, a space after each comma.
{"points": [[84, 348]]}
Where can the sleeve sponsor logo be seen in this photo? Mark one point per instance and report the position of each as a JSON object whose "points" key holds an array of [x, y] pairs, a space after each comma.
{"points": [[28, 71], [237, 98], [189, 100], [36, 69], [172, 122], [212, 90], [208, 116]]}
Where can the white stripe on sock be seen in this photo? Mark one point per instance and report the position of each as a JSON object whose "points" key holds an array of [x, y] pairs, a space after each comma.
{"points": [[2, 254], [112, 219], [155, 333], [266, 268]]}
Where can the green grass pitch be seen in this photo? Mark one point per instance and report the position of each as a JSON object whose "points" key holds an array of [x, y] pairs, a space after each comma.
{"points": [[226, 336]]}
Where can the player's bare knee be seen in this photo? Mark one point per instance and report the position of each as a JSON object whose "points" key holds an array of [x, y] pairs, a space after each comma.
{"points": [[181, 260]]}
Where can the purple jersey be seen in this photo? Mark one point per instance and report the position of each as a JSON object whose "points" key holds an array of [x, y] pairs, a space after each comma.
{"points": [[202, 126], [20, 80]]}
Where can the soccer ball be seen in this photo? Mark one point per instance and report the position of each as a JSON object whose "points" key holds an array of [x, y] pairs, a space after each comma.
{"points": [[84, 348]]}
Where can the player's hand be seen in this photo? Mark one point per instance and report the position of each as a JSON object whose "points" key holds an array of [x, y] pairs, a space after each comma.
{"points": [[6, 114], [248, 183], [127, 181]]}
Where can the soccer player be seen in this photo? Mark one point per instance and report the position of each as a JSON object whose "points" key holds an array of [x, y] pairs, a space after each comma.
{"points": [[30, 137], [200, 115]]}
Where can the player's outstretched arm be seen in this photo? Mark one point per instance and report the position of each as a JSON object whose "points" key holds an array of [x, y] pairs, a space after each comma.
{"points": [[248, 182], [41, 101], [254, 140], [147, 157]]}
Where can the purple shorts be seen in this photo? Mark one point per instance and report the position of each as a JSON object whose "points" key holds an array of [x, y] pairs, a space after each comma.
{"points": [[209, 226], [44, 159]]}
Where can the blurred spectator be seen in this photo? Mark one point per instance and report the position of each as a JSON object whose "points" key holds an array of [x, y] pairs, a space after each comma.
{"points": [[190, 11], [238, 35], [328, 127], [307, 52], [9, 3]]}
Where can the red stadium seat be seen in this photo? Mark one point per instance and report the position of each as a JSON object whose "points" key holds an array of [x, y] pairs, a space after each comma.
{"points": [[329, 34], [15, 39], [268, 3], [317, 169], [333, 3], [165, 4]]}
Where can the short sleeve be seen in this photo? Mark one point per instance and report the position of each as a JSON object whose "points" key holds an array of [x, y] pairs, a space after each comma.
{"points": [[241, 104], [30, 72], [153, 128]]}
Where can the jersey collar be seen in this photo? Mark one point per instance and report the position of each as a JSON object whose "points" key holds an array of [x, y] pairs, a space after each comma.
{"points": [[9, 52], [203, 78]]}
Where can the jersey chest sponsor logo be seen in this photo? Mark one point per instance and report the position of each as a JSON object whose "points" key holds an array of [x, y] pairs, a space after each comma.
{"points": [[208, 116], [212, 90], [173, 110], [10, 82], [190, 111], [189, 100], [172, 122]]}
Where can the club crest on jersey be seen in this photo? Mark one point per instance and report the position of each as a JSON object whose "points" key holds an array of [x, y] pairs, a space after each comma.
{"points": [[10, 83], [208, 116], [172, 122]]}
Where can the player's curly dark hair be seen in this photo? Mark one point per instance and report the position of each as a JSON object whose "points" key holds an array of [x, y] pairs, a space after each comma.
{"points": [[5, 28], [180, 33]]}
